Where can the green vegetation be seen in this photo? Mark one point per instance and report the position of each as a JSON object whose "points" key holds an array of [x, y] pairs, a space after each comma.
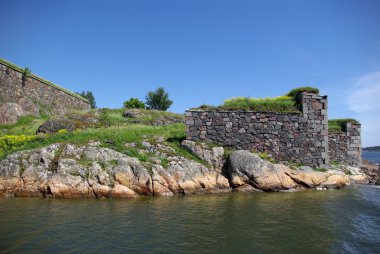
{"points": [[289, 103], [113, 137], [105, 118], [26, 125], [339, 125], [267, 157], [152, 116], [306, 89], [134, 103], [90, 98], [113, 131], [277, 104], [320, 169], [11, 142], [25, 74], [158, 100]]}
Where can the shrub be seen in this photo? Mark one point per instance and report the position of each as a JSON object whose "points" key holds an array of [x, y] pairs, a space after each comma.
{"points": [[306, 89], [9, 142], [25, 74], [134, 103], [105, 118], [158, 100]]}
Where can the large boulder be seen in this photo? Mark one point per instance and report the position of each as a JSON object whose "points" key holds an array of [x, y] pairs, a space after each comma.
{"points": [[372, 170], [336, 181], [10, 112], [55, 124], [309, 179], [82, 121], [133, 113], [246, 168]]}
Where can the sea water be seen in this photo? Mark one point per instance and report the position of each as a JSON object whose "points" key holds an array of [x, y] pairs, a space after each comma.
{"points": [[334, 221]]}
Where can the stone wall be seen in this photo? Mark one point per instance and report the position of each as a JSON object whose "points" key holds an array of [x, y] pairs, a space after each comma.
{"points": [[296, 137], [345, 146], [28, 96]]}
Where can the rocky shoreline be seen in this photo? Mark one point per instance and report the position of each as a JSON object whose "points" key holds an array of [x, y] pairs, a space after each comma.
{"points": [[90, 171]]}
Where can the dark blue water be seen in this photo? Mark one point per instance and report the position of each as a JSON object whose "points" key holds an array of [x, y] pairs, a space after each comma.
{"points": [[338, 221], [371, 156]]}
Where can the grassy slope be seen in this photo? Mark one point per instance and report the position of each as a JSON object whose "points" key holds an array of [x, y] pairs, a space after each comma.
{"points": [[21, 136], [25, 125]]}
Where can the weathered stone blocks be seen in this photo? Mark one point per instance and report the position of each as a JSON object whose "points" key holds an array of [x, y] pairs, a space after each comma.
{"points": [[298, 137], [31, 95], [345, 146]]}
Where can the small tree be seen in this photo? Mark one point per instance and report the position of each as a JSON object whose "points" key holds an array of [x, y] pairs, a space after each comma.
{"points": [[134, 103], [158, 100], [25, 75], [90, 97]]}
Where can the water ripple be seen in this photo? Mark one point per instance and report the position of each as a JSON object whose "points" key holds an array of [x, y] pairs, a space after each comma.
{"points": [[344, 221]]}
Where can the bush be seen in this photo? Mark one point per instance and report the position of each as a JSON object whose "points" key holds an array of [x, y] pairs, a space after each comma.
{"points": [[134, 103], [306, 89], [158, 100], [9, 142], [105, 118], [26, 74], [296, 93]]}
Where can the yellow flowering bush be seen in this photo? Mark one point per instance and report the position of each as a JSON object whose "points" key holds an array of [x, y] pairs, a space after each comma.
{"points": [[8, 142]]}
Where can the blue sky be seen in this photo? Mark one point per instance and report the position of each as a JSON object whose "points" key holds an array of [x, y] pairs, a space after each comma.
{"points": [[203, 51]]}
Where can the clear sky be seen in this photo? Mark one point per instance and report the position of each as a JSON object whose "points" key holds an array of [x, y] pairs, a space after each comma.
{"points": [[203, 51]]}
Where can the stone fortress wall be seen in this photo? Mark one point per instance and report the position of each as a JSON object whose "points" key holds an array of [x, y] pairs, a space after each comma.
{"points": [[294, 137], [345, 147], [29, 95]]}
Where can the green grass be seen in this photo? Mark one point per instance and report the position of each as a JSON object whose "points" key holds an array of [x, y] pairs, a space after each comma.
{"points": [[25, 125], [267, 157], [339, 125], [150, 116], [320, 169], [277, 104], [306, 89], [113, 137], [288, 103]]}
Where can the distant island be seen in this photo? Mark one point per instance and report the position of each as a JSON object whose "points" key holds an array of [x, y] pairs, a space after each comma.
{"points": [[372, 148]]}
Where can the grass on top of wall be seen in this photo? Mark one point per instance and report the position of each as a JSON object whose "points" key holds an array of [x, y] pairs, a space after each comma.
{"points": [[284, 104], [289, 103], [339, 125], [277, 104]]}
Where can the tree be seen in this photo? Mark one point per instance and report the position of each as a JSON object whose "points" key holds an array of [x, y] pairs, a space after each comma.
{"points": [[90, 97], [134, 103], [158, 100]]}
